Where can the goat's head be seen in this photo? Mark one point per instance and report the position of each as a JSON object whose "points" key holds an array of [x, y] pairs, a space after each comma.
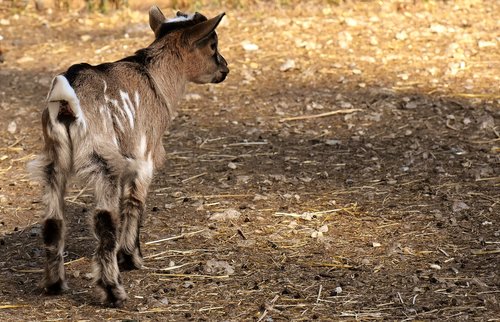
{"points": [[198, 44]]}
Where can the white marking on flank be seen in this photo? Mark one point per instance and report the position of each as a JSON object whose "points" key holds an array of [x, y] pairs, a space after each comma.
{"points": [[142, 146], [137, 99], [128, 107]]}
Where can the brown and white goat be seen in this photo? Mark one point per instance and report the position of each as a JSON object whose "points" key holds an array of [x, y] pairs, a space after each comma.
{"points": [[104, 124]]}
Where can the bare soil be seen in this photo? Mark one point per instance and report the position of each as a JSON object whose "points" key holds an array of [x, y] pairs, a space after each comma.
{"points": [[389, 209]]}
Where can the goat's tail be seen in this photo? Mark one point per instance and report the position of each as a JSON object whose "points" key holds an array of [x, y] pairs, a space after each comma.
{"points": [[64, 105], [63, 121]]}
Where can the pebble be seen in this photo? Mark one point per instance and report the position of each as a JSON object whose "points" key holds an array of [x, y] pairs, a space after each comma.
{"points": [[12, 127], [288, 65], [402, 35], [248, 46], [435, 266], [437, 29], [486, 44]]}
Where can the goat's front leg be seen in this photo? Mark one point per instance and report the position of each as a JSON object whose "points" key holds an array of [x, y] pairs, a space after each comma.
{"points": [[132, 214], [54, 228], [106, 229]]}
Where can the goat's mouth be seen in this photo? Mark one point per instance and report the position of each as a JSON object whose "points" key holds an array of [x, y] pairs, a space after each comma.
{"points": [[220, 78]]}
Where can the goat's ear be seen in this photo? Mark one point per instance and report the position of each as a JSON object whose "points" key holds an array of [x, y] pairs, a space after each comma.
{"points": [[203, 29], [156, 18]]}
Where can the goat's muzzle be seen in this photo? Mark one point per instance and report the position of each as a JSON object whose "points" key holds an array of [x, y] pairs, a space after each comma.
{"points": [[223, 70]]}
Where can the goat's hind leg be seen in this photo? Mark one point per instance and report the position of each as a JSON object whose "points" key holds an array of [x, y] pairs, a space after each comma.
{"points": [[107, 230], [132, 213], [54, 228]]}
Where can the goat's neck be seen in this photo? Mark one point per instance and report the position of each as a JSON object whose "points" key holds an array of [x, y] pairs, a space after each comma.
{"points": [[170, 85]]}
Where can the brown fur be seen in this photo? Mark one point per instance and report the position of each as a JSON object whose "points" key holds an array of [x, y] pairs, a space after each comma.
{"points": [[104, 124]]}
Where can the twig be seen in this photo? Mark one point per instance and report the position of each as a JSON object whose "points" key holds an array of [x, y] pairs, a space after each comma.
{"points": [[211, 308], [248, 143], [188, 276], [222, 196], [449, 126], [471, 95], [12, 306], [194, 177], [319, 293], [174, 237], [485, 141], [332, 265], [268, 308], [485, 252], [400, 298], [444, 253], [307, 117], [488, 179], [171, 268]]}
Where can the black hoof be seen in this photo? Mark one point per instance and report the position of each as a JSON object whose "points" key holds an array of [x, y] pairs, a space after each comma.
{"points": [[55, 288], [129, 262], [112, 295]]}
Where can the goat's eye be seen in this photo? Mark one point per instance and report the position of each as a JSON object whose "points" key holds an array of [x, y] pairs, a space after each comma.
{"points": [[213, 46]]}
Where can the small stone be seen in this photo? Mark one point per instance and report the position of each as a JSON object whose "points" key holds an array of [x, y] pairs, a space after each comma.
{"points": [[12, 127], [459, 206], [248, 46], [404, 76], [437, 29], [232, 165], [373, 41], [316, 234], [333, 142], [25, 59], [486, 44], [411, 105], [288, 65], [435, 266], [85, 38], [336, 291], [188, 284], [344, 39], [376, 244], [228, 214], [345, 105], [402, 35], [351, 22], [35, 231]]}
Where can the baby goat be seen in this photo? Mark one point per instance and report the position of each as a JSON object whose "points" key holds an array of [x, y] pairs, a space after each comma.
{"points": [[104, 124]]}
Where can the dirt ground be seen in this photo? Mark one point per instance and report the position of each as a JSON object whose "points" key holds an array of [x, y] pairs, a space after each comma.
{"points": [[271, 207]]}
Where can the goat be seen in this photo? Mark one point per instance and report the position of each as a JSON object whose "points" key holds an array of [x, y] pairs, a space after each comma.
{"points": [[104, 125]]}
